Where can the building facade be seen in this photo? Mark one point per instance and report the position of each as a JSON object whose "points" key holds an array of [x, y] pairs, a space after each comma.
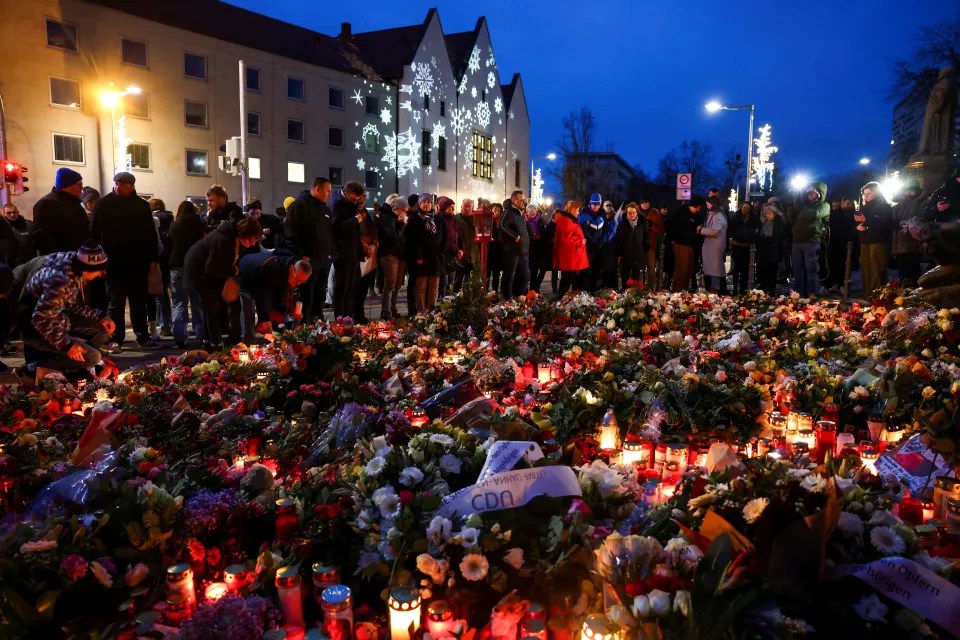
{"points": [[603, 172], [383, 107]]}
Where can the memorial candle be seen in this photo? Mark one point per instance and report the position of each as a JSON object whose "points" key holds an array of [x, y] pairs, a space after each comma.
{"points": [[404, 604], [597, 627], [215, 591], [288, 592]]}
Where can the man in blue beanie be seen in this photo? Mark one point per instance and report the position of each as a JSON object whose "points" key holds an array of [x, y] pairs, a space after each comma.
{"points": [[59, 220], [593, 221]]}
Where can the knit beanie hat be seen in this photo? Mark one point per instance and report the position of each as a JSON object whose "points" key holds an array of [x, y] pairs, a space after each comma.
{"points": [[90, 257], [595, 199], [444, 203], [289, 200], [426, 196], [88, 194], [66, 177]]}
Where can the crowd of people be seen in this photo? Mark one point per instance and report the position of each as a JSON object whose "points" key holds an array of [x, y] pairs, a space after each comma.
{"points": [[233, 273]]}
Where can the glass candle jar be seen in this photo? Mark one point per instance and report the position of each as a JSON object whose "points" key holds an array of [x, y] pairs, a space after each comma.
{"points": [[676, 459], [660, 458], [404, 604], [943, 487], [180, 581], [338, 611], [831, 413], [778, 423], [235, 577], [598, 627], [177, 608], [289, 594], [324, 575], [825, 436], [440, 622], [287, 521], [534, 629]]}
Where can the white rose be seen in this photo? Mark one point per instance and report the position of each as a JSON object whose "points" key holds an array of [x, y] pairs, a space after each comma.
{"points": [[641, 606]]}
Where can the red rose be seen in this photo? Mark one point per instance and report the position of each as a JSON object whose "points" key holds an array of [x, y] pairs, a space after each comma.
{"points": [[406, 497]]}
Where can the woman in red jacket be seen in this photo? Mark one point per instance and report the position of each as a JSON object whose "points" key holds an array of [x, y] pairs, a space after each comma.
{"points": [[569, 246]]}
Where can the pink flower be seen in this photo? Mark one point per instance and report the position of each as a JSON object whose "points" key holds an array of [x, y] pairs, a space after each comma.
{"points": [[74, 567]]}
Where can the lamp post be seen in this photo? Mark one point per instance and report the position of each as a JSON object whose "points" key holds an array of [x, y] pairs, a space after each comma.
{"points": [[712, 107], [111, 100], [550, 156]]}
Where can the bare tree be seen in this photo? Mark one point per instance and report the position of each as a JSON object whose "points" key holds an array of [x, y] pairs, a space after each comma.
{"points": [[690, 157], [578, 146], [937, 46]]}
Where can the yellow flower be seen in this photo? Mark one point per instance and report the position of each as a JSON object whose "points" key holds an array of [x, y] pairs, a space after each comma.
{"points": [[928, 392]]}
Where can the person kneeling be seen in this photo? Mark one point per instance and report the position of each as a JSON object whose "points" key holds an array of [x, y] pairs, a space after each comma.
{"points": [[271, 281], [60, 331]]}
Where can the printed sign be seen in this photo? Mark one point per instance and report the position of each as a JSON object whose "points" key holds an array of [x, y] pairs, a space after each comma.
{"points": [[684, 181], [914, 464], [511, 489], [911, 585], [683, 194], [505, 454]]}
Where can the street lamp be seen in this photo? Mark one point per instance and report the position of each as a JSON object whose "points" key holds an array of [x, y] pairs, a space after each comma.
{"points": [[550, 156], [799, 181], [111, 100], [715, 105], [864, 161]]}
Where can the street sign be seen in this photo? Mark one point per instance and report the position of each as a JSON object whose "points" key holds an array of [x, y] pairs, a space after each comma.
{"points": [[683, 194], [684, 181]]}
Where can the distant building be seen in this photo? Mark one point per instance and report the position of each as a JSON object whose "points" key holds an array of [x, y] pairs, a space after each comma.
{"points": [[603, 172], [907, 127], [387, 108]]}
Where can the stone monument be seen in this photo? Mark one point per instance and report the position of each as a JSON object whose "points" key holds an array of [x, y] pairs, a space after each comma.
{"points": [[935, 153]]}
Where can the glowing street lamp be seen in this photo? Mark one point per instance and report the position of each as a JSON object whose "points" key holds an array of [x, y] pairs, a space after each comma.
{"points": [[799, 181], [714, 106], [111, 100], [864, 161]]}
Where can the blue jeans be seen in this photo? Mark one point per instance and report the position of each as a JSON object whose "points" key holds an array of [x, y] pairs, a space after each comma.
{"points": [[180, 298], [806, 267], [516, 275], [164, 311]]}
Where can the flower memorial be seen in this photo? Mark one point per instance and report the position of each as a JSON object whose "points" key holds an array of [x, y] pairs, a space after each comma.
{"points": [[638, 465]]}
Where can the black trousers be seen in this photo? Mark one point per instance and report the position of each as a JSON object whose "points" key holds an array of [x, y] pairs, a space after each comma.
{"points": [[314, 293], [210, 299], [124, 287], [361, 293], [346, 279], [569, 280], [740, 256], [767, 278], [631, 270]]}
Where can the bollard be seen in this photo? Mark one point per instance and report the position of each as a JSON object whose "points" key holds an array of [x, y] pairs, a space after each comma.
{"points": [[752, 268], [846, 271]]}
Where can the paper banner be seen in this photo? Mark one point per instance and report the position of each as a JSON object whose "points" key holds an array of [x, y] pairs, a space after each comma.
{"points": [[911, 585], [512, 489], [505, 454]]}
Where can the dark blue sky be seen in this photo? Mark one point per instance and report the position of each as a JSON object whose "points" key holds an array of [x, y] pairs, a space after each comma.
{"points": [[819, 72]]}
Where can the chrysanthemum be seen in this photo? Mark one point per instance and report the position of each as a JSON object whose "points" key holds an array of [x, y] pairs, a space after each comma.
{"points": [[753, 509], [474, 567], [886, 541]]}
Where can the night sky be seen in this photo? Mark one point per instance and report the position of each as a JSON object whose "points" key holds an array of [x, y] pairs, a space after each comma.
{"points": [[819, 72]]}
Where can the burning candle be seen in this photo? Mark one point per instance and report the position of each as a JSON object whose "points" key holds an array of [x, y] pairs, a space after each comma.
{"points": [[807, 436], [667, 490], [440, 622], [528, 370], [419, 419], [338, 611], [215, 591], [544, 373], [288, 592], [929, 511], [635, 452], [844, 440], [243, 355], [404, 604], [235, 577], [875, 424], [609, 431], [597, 627], [778, 423], [324, 575], [869, 459], [287, 521], [825, 436], [180, 582]]}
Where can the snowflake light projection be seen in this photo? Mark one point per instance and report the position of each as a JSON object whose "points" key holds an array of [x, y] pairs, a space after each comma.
{"points": [[357, 96], [473, 92], [490, 60], [483, 114], [406, 88], [468, 157], [762, 167], [361, 165], [459, 119], [491, 79], [416, 116], [385, 116], [498, 105], [462, 89], [422, 78], [473, 64], [439, 131], [370, 129], [401, 153], [407, 105]]}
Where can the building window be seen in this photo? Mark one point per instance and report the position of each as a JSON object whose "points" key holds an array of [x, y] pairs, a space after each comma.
{"points": [[253, 79], [443, 108], [482, 156], [138, 154], [195, 66], [426, 103], [295, 130], [67, 149], [195, 113], [65, 93], [335, 98], [62, 35], [442, 153], [373, 106], [136, 105], [200, 202], [336, 176], [371, 142], [371, 180], [133, 52], [425, 143], [516, 173], [253, 167], [197, 163], [295, 88], [335, 137], [296, 172], [253, 123], [483, 95]]}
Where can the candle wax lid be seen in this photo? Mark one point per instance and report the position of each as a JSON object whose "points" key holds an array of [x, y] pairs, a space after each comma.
{"points": [[234, 570], [404, 595], [286, 502], [178, 569], [336, 594]]}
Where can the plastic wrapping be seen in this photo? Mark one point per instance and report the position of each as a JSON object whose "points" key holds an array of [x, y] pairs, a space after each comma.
{"points": [[456, 396], [77, 490], [349, 424]]}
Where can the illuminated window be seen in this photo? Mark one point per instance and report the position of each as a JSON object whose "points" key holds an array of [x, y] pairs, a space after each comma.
{"points": [[139, 155], [197, 163], [253, 167], [296, 172], [482, 156]]}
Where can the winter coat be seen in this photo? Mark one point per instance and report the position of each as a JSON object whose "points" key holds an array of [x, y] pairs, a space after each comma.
{"points": [[743, 230], [346, 233], [230, 211], [124, 227], [10, 247], [21, 228], [594, 229], [58, 291], [770, 247], [879, 222], [211, 260], [569, 244], [655, 226], [307, 229], [60, 223], [468, 239], [949, 191], [164, 219], [185, 232], [906, 209], [808, 220], [843, 228], [391, 234], [425, 243], [272, 230], [452, 246], [513, 226], [630, 244], [541, 252], [682, 226], [714, 250], [264, 276]]}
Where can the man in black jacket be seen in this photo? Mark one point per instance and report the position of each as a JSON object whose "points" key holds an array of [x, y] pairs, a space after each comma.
{"points": [[307, 233], [185, 231], [271, 282], [59, 221], [391, 252], [219, 209], [516, 246], [630, 245], [123, 225], [683, 226], [349, 250]]}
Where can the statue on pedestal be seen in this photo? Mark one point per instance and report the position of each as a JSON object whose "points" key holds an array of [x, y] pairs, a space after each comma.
{"points": [[938, 121]]}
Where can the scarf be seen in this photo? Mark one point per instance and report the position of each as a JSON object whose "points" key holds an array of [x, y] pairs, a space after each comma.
{"points": [[633, 223], [767, 229], [428, 221]]}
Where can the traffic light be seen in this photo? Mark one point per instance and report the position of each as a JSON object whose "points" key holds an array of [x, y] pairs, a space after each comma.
{"points": [[13, 177], [230, 162]]}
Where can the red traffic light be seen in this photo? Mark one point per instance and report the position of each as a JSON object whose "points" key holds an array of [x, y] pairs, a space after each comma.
{"points": [[13, 177]]}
